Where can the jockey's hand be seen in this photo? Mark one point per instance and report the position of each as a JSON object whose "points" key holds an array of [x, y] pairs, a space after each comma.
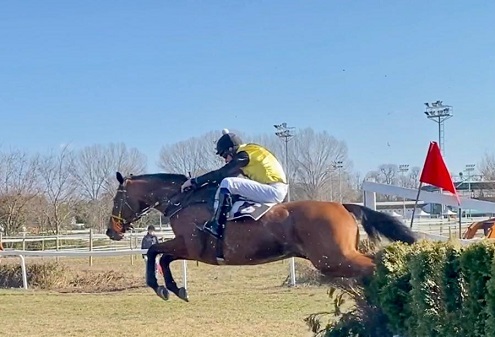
{"points": [[187, 185]]}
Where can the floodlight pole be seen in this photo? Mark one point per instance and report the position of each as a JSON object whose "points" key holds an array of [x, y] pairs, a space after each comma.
{"points": [[338, 165], [439, 113], [286, 133], [469, 168], [403, 168]]}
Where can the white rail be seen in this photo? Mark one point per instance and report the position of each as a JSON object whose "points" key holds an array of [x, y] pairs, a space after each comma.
{"points": [[22, 254], [166, 234], [72, 253]]}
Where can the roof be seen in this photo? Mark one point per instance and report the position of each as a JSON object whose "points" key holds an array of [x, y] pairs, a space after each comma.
{"points": [[464, 185]]}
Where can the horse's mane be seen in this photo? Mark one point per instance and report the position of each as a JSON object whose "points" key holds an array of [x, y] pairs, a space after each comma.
{"points": [[161, 176]]}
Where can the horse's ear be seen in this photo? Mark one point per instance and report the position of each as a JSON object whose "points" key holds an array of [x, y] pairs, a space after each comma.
{"points": [[120, 178]]}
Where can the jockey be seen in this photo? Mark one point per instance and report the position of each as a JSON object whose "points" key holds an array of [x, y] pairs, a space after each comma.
{"points": [[263, 179]]}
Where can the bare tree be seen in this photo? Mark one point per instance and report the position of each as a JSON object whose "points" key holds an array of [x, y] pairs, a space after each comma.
{"points": [[18, 186], [59, 190], [389, 174], [386, 174], [95, 166], [312, 159], [414, 177], [93, 172], [487, 167], [195, 155]]}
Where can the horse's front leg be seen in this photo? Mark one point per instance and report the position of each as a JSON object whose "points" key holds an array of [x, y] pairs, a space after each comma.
{"points": [[170, 284], [171, 250]]}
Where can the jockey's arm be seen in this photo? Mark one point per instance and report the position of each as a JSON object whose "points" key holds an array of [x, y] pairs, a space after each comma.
{"points": [[231, 169]]}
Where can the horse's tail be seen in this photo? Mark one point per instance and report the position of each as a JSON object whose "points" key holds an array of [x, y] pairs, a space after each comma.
{"points": [[375, 223]]}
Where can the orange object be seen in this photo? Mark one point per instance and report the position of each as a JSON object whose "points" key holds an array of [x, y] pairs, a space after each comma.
{"points": [[486, 225]]}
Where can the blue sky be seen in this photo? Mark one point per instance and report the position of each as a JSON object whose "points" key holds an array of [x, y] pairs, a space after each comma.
{"points": [[86, 72]]}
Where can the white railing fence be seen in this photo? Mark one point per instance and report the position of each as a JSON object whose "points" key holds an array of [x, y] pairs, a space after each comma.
{"points": [[82, 240], [68, 253], [22, 254]]}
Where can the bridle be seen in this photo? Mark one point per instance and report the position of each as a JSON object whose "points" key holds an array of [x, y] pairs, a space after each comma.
{"points": [[118, 221]]}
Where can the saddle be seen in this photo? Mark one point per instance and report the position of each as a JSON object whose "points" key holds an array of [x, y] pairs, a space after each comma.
{"points": [[243, 207]]}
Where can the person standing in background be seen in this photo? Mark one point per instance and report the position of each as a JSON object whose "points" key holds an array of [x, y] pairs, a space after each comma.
{"points": [[149, 240]]}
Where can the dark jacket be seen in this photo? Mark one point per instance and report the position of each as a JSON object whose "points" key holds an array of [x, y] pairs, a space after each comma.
{"points": [[148, 240], [231, 169]]}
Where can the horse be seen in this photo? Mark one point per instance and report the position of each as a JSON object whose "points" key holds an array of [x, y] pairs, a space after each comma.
{"points": [[323, 232]]}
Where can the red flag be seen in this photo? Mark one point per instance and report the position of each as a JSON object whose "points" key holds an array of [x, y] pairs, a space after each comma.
{"points": [[435, 171]]}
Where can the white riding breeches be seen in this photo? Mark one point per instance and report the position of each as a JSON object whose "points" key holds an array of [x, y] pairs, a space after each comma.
{"points": [[255, 191]]}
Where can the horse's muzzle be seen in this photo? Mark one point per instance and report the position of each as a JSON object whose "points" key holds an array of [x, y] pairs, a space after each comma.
{"points": [[113, 235]]}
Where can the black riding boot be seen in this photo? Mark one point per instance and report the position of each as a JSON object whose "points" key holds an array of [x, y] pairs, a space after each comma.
{"points": [[217, 223]]}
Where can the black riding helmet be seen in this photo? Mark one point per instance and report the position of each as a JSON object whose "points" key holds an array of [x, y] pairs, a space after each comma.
{"points": [[227, 141]]}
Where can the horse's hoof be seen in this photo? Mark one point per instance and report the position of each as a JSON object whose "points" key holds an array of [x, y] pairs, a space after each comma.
{"points": [[183, 294], [162, 292]]}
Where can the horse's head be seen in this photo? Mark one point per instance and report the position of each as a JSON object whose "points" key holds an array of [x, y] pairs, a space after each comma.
{"points": [[125, 208], [136, 196]]}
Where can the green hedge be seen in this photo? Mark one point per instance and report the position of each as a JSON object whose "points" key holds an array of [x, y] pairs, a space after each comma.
{"points": [[436, 289]]}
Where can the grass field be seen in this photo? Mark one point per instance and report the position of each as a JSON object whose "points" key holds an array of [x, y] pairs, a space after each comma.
{"points": [[224, 301]]}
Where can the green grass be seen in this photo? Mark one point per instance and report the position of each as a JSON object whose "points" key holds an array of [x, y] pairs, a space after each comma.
{"points": [[224, 301]]}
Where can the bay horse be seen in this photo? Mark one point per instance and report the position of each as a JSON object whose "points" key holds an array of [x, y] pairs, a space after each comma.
{"points": [[325, 233]]}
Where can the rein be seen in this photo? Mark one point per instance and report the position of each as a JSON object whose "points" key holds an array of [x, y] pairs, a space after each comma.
{"points": [[120, 222], [180, 204]]}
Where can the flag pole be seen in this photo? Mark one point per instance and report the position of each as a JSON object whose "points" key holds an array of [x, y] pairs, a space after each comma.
{"points": [[415, 204], [435, 173]]}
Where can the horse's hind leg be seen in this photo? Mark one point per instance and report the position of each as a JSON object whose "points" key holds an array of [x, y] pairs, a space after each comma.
{"points": [[354, 265]]}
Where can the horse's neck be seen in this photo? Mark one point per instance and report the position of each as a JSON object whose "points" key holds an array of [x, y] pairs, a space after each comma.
{"points": [[179, 201], [164, 194]]}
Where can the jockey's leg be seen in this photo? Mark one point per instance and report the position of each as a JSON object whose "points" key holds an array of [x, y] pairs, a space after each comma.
{"points": [[255, 191], [217, 222]]}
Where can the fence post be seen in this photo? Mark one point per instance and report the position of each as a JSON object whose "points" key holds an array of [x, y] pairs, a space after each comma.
{"points": [[130, 246], [184, 273], [91, 246], [24, 272]]}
